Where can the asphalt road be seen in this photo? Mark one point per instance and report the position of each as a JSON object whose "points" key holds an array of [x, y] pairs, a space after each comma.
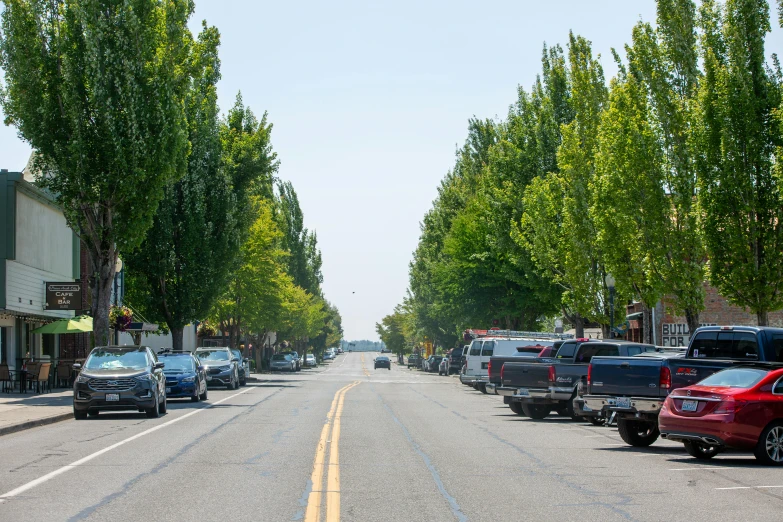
{"points": [[356, 444]]}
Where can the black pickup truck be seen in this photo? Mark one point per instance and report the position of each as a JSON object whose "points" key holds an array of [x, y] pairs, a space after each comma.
{"points": [[634, 388], [457, 359], [496, 362], [541, 388]]}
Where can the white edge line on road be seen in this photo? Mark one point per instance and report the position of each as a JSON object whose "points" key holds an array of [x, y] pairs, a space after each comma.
{"points": [[699, 468], [68, 467], [748, 487]]}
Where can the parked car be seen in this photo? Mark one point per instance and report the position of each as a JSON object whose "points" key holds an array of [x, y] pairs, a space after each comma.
{"points": [[340, 350], [243, 366], [457, 359], [282, 362], [185, 376], [443, 367], [221, 365], [328, 355], [432, 363], [414, 360], [542, 388], [120, 378], [635, 388], [527, 348], [739, 408], [382, 362], [297, 359], [309, 360]]}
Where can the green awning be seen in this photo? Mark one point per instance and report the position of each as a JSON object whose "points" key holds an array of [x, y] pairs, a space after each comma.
{"points": [[80, 323]]}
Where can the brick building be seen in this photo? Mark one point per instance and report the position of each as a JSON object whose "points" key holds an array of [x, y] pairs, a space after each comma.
{"points": [[672, 330]]}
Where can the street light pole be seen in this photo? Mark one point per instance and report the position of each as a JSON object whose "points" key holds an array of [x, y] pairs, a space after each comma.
{"points": [[610, 284]]}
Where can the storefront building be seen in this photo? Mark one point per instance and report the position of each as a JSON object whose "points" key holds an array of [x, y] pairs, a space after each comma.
{"points": [[37, 248]]}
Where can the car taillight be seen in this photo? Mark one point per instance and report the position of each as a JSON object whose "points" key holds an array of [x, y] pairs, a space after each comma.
{"points": [[730, 405], [665, 381], [489, 368], [589, 373], [552, 374]]}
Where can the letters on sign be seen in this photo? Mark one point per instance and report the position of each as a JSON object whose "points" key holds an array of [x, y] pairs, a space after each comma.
{"points": [[64, 296], [677, 334]]}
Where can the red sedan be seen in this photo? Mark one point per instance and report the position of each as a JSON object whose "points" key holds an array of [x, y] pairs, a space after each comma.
{"points": [[739, 408]]}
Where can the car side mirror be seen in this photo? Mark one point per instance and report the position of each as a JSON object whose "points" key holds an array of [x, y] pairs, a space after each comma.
{"points": [[235, 359], [77, 366], [159, 365], [200, 368]]}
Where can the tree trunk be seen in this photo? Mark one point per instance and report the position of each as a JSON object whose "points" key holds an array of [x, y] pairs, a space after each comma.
{"points": [[646, 324], [692, 318], [579, 325], [176, 338], [101, 279], [763, 318]]}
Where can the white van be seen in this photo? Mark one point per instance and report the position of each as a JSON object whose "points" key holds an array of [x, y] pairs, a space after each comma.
{"points": [[483, 348]]}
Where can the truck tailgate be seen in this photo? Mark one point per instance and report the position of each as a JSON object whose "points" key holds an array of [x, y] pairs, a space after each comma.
{"points": [[637, 376], [497, 362], [524, 375]]}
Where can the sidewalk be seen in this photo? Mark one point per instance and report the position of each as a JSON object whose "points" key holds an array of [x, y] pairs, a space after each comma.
{"points": [[20, 411]]}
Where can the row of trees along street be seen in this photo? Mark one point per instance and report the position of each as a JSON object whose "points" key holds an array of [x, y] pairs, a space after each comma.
{"points": [[119, 102], [666, 177]]}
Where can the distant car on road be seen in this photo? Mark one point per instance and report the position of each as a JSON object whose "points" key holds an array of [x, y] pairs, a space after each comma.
{"points": [[221, 365], [297, 359], [382, 362], [443, 368], [185, 376], [120, 378], [414, 360], [309, 360], [737, 408]]}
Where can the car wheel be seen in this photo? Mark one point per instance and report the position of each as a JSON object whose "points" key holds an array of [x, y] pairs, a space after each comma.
{"points": [[769, 449], [196, 396], [243, 382], [203, 396], [700, 450], [639, 434], [516, 407], [570, 412], [482, 388], [79, 414], [164, 404], [536, 411], [154, 412]]}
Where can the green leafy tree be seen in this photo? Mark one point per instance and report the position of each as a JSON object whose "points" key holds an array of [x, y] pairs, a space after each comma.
{"points": [[97, 90], [738, 136], [391, 330]]}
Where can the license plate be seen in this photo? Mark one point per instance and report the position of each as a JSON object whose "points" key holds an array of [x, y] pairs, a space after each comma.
{"points": [[689, 405], [112, 397], [168, 390], [524, 392], [622, 402], [209, 377]]}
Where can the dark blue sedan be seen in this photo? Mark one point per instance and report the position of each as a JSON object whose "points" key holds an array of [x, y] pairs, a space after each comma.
{"points": [[185, 377]]}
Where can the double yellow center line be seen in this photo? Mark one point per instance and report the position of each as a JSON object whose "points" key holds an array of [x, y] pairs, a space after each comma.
{"points": [[363, 368], [314, 500]]}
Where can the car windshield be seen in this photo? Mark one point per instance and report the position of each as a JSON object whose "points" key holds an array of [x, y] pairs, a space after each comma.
{"points": [[382, 359], [133, 359], [179, 362], [279, 357], [212, 355], [735, 378]]}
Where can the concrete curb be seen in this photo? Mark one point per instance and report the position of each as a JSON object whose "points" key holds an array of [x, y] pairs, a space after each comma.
{"points": [[35, 423]]}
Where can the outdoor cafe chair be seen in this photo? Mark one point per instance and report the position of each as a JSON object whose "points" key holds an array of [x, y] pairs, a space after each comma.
{"points": [[41, 378], [6, 380], [63, 374], [33, 369]]}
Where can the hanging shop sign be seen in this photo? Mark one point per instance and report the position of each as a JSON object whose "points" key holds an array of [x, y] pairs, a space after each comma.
{"points": [[64, 296]]}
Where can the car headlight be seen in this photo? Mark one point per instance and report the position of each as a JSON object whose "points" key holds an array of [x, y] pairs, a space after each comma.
{"points": [[189, 379], [82, 379]]}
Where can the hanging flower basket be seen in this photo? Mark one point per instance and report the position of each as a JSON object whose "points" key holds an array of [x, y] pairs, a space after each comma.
{"points": [[120, 317]]}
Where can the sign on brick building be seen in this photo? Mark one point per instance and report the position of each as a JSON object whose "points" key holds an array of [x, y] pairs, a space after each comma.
{"points": [[677, 334]]}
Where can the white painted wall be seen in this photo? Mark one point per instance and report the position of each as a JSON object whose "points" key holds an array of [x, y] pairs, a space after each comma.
{"points": [[158, 342], [43, 238], [26, 292]]}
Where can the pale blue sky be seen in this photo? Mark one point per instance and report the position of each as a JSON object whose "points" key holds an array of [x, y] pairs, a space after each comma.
{"points": [[369, 101]]}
